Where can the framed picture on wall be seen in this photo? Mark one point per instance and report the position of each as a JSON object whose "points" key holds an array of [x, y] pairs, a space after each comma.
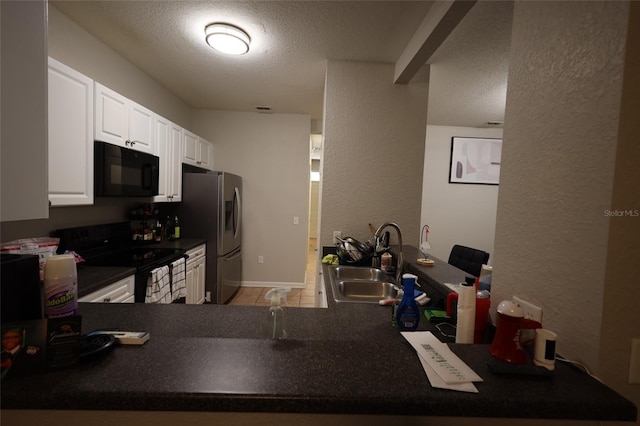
{"points": [[475, 160]]}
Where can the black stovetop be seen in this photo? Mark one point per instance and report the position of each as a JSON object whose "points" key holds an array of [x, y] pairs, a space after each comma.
{"points": [[111, 245], [135, 257]]}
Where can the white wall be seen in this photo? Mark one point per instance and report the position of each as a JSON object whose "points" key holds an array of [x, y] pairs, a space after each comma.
{"points": [[553, 244], [456, 213], [23, 148], [74, 46], [374, 133], [271, 153]]}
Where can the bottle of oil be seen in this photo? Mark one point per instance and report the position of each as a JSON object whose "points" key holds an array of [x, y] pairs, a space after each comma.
{"points": [[176, 228]]}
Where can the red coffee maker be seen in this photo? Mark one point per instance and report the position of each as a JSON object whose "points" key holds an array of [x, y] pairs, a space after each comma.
{"points": [[506, 343]]}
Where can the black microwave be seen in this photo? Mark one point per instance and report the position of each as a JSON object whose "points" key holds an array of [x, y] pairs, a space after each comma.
{"points": [[124, 172]]}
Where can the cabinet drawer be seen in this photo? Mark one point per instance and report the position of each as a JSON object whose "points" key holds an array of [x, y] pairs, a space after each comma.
{"points": [[197, 252], [118, 292]]}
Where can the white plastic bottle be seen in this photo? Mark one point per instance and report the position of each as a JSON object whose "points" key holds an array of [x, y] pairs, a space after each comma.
{"points": [[60, 286], [465, 325]]}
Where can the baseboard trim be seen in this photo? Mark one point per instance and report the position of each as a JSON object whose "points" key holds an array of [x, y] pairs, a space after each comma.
{"points": [[271, 284]]}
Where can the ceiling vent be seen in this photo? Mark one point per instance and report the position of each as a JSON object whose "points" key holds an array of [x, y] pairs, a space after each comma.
{"points": [[263, 108], [490, 124]]}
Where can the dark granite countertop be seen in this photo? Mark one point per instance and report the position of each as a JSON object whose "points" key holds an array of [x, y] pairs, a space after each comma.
{"points": [[344, 359]]}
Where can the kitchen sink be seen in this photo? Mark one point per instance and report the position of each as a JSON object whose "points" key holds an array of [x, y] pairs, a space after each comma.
{"points": [[361, 284], [357, 273]]}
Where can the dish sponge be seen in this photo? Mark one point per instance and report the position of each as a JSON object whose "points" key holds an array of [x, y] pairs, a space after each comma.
{"points": [[331, 259]]}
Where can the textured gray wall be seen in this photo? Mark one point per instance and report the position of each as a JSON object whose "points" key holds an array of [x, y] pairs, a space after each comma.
{"points": [[558, 160], [374, 136]]}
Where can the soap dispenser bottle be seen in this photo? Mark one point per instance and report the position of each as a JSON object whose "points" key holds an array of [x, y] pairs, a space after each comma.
{"points": [[273, 326], [408, 315]]}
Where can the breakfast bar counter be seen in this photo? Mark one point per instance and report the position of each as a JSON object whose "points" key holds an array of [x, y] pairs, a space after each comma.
{"points": [[346, 360]]}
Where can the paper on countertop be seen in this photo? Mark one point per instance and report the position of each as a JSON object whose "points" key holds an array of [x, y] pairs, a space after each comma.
{"points": [[437, 382], [449, 369]]}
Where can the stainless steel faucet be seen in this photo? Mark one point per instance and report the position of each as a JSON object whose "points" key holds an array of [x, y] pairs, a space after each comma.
{"points": [[376, 258]]}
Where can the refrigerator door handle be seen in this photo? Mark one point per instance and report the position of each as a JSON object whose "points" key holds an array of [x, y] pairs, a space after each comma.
{"points": [[236, 200], [233, 256]]}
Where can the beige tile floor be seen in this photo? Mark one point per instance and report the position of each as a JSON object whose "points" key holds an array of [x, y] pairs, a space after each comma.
{"points": [[298, 297]]}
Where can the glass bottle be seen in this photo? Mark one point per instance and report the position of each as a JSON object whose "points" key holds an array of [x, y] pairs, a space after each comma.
{"points": [[176, 228]]}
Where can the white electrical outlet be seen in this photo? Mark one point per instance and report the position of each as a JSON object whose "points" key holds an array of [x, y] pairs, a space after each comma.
{"points": [[531, 311], [634, 362], [336, 235], [260, 259], [296, 220]]}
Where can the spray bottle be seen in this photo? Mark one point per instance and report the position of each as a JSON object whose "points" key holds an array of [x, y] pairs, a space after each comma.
{"points": [[273, 326], [408, 315]]}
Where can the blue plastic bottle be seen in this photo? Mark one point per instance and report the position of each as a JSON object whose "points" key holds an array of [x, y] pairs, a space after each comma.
{"points": [[408, 315]]}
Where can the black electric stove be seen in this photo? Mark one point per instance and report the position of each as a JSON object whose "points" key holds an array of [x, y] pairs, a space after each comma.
{"points": [[111, 245], [135, 257]]}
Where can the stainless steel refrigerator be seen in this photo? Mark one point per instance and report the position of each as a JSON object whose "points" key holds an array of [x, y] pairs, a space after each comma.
{"points": [[211, 208]]}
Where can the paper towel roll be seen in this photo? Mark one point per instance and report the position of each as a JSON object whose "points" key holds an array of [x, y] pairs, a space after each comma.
{"points": [[466, 313]]}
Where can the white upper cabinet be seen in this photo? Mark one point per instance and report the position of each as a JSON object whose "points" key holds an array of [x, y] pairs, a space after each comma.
{"points": [[168, 138], [206, 154], [190, 150], [175, 186], [197, 151], [122, 122], [70, 129], [141, 122]]}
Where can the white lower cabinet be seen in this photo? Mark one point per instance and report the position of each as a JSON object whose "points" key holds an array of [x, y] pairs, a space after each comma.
{"points": [[196, 274], [119, 292]]}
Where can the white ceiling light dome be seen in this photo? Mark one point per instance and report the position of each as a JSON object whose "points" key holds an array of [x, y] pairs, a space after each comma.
{"points": [[227, 38]]}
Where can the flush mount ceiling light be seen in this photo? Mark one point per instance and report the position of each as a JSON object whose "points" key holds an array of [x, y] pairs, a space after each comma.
{"points": [[227, 38]]}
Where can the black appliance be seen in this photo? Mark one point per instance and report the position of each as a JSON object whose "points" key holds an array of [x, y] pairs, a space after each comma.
{"points": [[21, 293], [111, 245], [124, 172]]}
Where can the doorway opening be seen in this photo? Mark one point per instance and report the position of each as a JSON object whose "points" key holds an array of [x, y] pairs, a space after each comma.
{"points": [[314, 209]]}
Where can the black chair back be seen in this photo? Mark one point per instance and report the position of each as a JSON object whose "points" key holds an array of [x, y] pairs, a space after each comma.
{"points": [[468, 259]]}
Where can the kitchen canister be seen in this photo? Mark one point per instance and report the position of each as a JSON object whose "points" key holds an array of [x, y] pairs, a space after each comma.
{"points": [[60, 286], [465, 325]]}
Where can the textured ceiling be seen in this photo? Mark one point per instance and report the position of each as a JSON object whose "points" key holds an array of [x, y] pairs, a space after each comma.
{"points": [[291, 43]]}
